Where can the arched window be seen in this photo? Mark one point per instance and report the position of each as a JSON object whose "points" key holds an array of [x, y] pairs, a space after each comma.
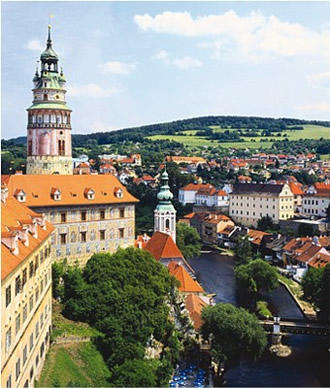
{"points": [[45, 97], [167, 223], [61, 147]]}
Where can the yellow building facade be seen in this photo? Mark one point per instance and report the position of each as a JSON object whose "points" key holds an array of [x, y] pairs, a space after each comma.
{"points": [[90, 213], [26, 292], [249, 202]]}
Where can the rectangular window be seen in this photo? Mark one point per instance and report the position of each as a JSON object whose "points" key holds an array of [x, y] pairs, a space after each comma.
{"points": [[36, 263], [63, 217], [31, 303], [37, 330], [24, 354], [122, 212], [18, 368], [63, 238], [121, 232], [8, 339], [83, 216], [41, 320], [31, 373], [41, 286], [83, 236], [24, 278], [24, 312], [102, 234], [102, 214], [31, 269], [8, 383], [8, 295], [18, 323], [31, 341], [17, 284], [46, 279], [37, 294]]}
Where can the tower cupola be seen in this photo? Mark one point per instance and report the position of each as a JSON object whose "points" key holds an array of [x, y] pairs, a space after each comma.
{"points": [[165, 213], [49, 58]]}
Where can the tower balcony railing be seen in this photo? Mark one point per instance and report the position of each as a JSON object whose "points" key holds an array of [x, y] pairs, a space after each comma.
{"points": [[49, 125]]}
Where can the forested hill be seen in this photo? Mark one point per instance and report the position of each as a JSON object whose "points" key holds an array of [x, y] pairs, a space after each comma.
{"points": [[136, 134]]}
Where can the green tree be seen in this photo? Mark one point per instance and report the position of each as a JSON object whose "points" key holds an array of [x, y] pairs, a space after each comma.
{"points": [[235, 334], [265, 224], [256, 276], [135, 373], [305, 230], [188, 240], [243, 250], [311, 284]]}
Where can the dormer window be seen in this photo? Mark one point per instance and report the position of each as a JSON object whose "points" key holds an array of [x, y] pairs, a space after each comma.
{"points": [[20, 195], [89, 193], [118, 192], [56, 194]]}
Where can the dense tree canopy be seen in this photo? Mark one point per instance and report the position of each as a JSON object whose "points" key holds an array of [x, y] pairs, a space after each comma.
{"points": [[124, 296], [316, 287], [188, 240], [236, 334], [256, 276]]}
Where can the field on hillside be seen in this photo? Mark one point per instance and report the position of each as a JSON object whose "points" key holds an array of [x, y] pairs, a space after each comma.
{"points": [[190, 140]]}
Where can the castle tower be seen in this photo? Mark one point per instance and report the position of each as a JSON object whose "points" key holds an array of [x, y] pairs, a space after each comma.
{"points": [[49, 121], [164, 214]]}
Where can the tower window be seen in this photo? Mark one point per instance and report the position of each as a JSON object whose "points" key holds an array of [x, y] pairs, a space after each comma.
{"points": [[57, 96], [29, 147], [61, 147], [167, 224], [45, 84], [45, 97]]}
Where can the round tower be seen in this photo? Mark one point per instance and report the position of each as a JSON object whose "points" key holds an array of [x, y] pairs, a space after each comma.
{"points": [[49, 119], [164, 213]]}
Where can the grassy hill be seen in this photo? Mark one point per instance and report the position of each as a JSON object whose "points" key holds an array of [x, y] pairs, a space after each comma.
{"points": [[190, 139]]}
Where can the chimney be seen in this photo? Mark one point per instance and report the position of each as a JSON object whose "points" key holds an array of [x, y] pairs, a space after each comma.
{"points": [[10, 240], [4, 193]]}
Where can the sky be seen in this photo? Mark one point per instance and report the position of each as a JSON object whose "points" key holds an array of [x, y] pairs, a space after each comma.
{"points": [[133, 63]]}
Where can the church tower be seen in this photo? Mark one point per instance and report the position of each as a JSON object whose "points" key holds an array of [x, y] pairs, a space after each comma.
{"points": [[49, 119], [164, 214]]}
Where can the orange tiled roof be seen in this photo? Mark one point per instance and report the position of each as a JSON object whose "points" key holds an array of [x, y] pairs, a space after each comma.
{"points": [[38, 189], [185, 159], [162, 246], [197, 187], [256, 236], [195, 305], [296, 188], [187, 283], [300, 244], [320, 261], [244, 178], [215, 218], [13, 213], [308, 254], [190, 215]]}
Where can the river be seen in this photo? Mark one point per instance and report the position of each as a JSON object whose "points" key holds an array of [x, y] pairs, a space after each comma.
{"points": [[309, 363]]}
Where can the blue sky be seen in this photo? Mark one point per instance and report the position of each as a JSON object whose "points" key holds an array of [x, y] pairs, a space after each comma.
{"points": [[135, 63]]}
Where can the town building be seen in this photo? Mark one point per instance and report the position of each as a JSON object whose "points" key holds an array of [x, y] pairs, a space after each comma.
{"points": [[250, 202], [212, 225], [187, 284], [49, 119], [316, 200], [90, 213], [26, 292], [162, 247], [195, 305], [186, 160], [165, 213]]}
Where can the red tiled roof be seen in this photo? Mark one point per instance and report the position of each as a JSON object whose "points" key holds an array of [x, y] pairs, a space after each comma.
{"points": [[308, 254], [187, 283], [320, 261], [256, 236], [13, 215], [162, 246], [296, 188], [103, 185], [195, 305], [197, 187]]}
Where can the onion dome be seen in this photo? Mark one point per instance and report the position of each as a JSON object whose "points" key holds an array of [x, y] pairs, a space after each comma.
{"points": [[165, 193]]}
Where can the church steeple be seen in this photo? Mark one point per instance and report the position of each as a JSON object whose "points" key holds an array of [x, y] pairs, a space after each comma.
{"points": [[165, 213]]}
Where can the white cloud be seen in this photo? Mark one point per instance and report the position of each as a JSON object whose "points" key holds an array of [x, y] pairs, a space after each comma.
{"points": [[34, 44], [186, 62], [320, 79], [183, 63], [322, 106], [116, 67], [91, 90], [242, 37]]}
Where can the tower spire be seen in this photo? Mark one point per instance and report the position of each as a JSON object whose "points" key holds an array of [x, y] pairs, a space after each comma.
{"points": [[49, 40]]}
